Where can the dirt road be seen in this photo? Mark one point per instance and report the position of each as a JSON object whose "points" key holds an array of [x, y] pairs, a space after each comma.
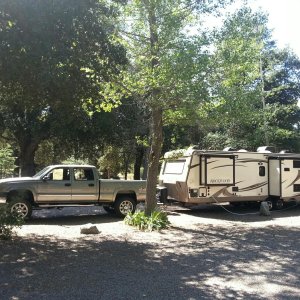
{"points": [[206, 254]]}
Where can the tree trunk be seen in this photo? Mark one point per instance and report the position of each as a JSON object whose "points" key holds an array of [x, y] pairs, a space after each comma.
{"points": [[156, 130], [27, 153], [145, 164], [154, 156], [139, 155]]}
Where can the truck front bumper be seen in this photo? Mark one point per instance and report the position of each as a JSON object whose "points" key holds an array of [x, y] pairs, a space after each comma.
{"points": [[3, 198], [2, 201]]}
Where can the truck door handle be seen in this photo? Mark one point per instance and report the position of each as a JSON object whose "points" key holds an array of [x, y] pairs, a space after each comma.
{"points": [[67, 184], [91, 184]]}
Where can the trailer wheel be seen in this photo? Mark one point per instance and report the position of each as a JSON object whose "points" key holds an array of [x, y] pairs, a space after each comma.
{"points": [[270, 204], [21, 207], [278, 203], [124, 205]]}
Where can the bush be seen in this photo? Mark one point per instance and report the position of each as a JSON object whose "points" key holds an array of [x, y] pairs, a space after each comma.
{"points": [[8, 221], [156, 221]]}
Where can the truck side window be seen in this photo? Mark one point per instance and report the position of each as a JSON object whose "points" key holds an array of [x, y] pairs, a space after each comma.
{"points": [[89, 174], [60, 174], [262, 171], [83, 174]]}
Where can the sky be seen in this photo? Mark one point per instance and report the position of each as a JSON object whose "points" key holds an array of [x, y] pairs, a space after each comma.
{"points": [[284, 19]]}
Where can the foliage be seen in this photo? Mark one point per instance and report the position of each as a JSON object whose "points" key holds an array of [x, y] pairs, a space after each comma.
{"points": [[111, 162], [235, 77], [129, 129], [8, 221], [168, 68], [156, 221], [7, 161], [248, 70], [67, 55]]}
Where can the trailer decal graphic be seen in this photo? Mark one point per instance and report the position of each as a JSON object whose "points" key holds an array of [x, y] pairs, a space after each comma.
{"points": [[220, 180], [222, 166], [223, 191], [210, 162], [194, 166], [296, 179], [253, 187]]}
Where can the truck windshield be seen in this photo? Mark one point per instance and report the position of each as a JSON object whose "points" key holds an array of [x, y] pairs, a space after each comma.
{"points": [[38, 174]]}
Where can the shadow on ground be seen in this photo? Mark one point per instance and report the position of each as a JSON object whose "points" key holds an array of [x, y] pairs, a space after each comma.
{"points": [[208, 263], [71, 216], [240, 214]]}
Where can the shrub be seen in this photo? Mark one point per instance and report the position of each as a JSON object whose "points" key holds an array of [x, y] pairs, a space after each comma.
{"points": [[8, 221], [156, 221]]}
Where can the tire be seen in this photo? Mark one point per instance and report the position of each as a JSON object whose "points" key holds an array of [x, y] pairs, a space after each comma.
{"points": [[124, 205], [22, 207], [270, 204], [278, 203], [109, 209]]}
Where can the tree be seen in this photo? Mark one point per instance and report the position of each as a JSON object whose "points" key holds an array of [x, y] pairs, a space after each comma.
{"points": [[56, 57], [281, 71], [169, 65], [255, 86], [235, 76], [130, 134], [6, 160]]}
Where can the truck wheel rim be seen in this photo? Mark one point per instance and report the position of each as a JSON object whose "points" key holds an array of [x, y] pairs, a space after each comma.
{"points": [[126, 207], [21, 209]]}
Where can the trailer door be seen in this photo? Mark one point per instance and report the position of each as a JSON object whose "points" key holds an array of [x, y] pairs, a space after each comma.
{"points": [[275, 177], [220, 170]]}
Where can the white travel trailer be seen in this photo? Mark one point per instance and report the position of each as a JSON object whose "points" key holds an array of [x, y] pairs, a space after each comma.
{"points": [[284, 176], [200, 177]]}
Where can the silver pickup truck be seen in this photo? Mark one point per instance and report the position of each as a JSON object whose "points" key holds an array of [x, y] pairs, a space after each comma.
{"points": [[70, 185]]}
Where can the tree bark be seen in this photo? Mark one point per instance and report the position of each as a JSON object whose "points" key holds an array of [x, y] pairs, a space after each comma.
{"points": [[139, 155], [154, 156], [27, 153], [156, 127]]}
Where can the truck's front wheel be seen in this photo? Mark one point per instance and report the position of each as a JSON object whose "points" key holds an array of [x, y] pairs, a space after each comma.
{"points": [[124, 205], [21, 207]]}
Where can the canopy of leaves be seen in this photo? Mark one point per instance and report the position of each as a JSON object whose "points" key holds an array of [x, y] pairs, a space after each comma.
{"points": [[248, 70], [56, 55]]}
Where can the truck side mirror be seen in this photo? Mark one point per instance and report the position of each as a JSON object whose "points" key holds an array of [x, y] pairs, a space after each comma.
{"points": [[46, 177]]}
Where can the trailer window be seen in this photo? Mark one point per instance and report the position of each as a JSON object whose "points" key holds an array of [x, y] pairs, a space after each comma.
{"points": [[296, 164], [296, 187], [174, 167]]}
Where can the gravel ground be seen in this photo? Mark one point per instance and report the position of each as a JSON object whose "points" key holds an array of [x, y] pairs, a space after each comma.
{"points": [[207, 253]]}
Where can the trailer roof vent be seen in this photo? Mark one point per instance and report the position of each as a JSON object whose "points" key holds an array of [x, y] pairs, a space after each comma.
{"points": [[229, 149], [266, 149], [242, 150]]}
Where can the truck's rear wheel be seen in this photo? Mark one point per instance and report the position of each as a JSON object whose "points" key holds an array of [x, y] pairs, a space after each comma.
{"points": [[124, 205], [21, 207]]}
